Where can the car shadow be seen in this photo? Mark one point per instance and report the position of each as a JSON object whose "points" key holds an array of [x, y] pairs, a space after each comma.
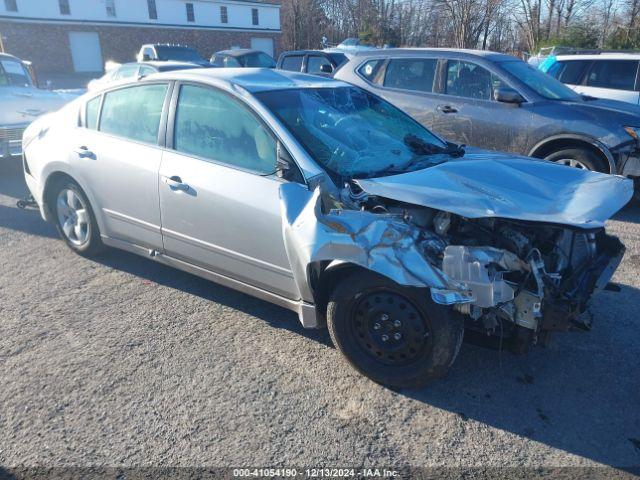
{"points": [[11, 179], [274, 315], [27, 221], [580, 394], [630, 213]]}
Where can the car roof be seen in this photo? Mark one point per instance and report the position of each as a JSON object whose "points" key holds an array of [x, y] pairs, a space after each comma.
{"points": [[601, 56], [7, 56], [238, 52], [251, 79], [487, 54], [304, 52], [169, 64]]}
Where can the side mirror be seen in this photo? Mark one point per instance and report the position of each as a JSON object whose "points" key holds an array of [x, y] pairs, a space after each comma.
{"points": [[283, 162], [326, 68], [507, 95]]}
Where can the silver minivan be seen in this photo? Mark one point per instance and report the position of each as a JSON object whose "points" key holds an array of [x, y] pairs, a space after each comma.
{"points": [[325, 199]]}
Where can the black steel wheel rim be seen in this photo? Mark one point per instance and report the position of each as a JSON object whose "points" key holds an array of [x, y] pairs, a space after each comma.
{"points": [[389, 327]]}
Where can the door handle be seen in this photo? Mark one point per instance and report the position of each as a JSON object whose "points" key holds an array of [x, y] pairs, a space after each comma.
{"points": [[84, 152], [175, 183], [447, 109]]}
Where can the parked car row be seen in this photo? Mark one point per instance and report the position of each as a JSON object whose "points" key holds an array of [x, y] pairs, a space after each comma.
{"points": [[374, 219], [324, 198], [498, 102], [20, 103]]}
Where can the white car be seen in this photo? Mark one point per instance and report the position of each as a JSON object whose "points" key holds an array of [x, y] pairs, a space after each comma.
{"points": [[122, 73], [612, 76], [21, 103]]}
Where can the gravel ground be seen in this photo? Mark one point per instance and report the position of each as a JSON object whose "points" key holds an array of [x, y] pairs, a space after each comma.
{"points": [[119, 361]]}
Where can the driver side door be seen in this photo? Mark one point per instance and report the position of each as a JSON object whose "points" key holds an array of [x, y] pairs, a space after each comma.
{"points": [[219, 196]]}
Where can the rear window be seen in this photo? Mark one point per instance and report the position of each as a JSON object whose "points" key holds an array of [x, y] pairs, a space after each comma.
{"points": [[411, 74], [569, 71], [293, 63], [615, 74], [370, 69], [134, 112]]}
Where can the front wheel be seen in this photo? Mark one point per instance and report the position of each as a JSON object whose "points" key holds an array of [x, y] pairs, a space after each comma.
{"points": [[395, 335], [578, 158], [75, 220]]}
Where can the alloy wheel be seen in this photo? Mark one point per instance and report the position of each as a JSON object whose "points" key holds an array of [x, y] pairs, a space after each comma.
{"points": [[572, 162], [73, 217]]}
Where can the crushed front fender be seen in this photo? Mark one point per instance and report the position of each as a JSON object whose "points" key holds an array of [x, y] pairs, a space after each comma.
{"points": [[382, 243]]}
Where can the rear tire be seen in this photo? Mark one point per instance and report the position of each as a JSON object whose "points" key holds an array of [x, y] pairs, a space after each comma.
{"points": [[579, 158], [395, 335], [75, 220]]}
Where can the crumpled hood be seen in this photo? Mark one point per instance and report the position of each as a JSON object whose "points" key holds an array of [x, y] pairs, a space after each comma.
{"points": [[489, 184], [21, 105]]}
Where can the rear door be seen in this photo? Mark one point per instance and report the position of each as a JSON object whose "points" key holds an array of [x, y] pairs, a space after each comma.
{"points": [[292, 63], [467, 113], [408, 83], [219, 196], [117, 155], [612, 79]]}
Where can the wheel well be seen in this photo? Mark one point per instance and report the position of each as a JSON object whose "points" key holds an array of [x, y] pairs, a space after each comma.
{"points": [[53, 181], [563, 143], [324, 280]]}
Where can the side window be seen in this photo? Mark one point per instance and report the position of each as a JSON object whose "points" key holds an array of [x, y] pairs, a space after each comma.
{"points": [[126, 71], [371, 69], [569, 71], [134, 112], [617, 74], [293, 63], [466, 79], [91, 113], [411, 74], [213, 125], [148, 52], [230, 62], [315, 62], [146, 70]]}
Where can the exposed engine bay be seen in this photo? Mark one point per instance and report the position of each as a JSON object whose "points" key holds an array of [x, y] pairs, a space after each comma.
{"points": [[522, 278], [514, 273]]}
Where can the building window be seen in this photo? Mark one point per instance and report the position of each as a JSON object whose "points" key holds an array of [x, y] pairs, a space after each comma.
{"points": [[254, 16], [224, 15], [65, 9], [11, 5], [191, 16], [111, 8], [153, 11]]}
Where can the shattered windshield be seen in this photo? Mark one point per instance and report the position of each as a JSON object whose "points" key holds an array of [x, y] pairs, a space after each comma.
{"points": [[354, 134]]}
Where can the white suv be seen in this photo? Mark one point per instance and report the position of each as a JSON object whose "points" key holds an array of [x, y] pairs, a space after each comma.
{"points": [[607, 75]]}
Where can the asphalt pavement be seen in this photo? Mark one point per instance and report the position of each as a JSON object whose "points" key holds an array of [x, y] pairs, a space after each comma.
{"points": [[119, 361]]}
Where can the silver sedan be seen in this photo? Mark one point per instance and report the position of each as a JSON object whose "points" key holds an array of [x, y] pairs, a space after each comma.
{"points": [[325, 199]]}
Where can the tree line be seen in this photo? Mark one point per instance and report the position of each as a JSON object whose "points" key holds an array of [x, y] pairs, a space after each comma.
{"points": [[513, 26]]}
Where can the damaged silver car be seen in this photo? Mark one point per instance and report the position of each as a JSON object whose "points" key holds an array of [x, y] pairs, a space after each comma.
{"points": [[325, 199]]}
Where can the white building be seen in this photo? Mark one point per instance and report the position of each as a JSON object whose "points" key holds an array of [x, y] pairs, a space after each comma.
{"points": [[80, 35]]}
